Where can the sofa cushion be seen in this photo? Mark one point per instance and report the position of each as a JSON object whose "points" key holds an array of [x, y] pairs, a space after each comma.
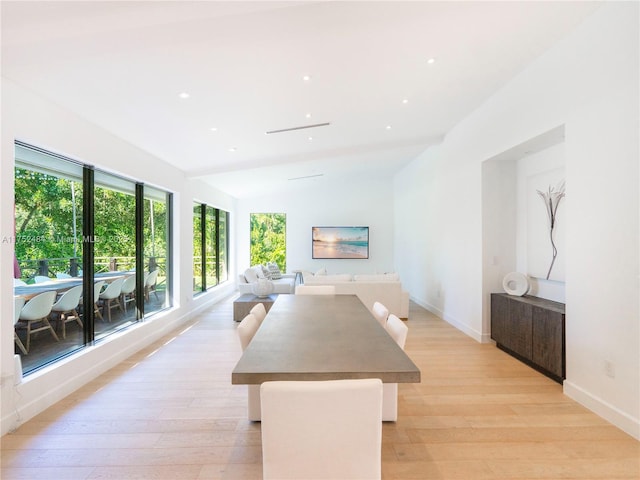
{"points": [[329, 279], [250, 275], [274, 271], [266, 272], [259, 271], [379, 277]]}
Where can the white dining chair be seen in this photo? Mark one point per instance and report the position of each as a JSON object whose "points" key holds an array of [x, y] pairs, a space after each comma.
{"points": [[62, 276], [247, 328], [397, 329], [380, 312], [18, 303], [68, 304], [315, 290], [111, 296], [97, 290], [259, 311], [41, 279], [150, 281], [128, 291], [36, 311], [321, 429]]}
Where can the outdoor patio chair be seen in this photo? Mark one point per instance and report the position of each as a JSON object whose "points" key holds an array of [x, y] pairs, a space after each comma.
{"points": [[128, 291], [150, 285], [68, 304], [97, 289], [36, 312], [111, 296], [18, 303]]}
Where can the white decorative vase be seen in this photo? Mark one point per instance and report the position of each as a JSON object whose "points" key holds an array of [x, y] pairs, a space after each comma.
{"points": [[516, 284], [263, 287]]}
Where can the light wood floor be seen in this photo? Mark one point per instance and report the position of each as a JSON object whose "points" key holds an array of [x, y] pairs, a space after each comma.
{"points": [[170, 412]]}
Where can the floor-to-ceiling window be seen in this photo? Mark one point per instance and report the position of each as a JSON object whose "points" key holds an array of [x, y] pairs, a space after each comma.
{"points": [[211, 242], [86, 242], [198, 254], [223, 246], [114, 246], [48, 248], [210, 247], [269, 239], [157, 238]]}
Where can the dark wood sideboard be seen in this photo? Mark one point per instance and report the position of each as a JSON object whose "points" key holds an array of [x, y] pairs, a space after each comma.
{"points": [[531, 329]]}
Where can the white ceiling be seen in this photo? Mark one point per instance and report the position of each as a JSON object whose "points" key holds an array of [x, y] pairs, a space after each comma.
{"points": [[122, 66]]}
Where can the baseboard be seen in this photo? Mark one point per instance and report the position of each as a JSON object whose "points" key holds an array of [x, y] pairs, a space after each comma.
{"points": [[605, 410], [477, 336]]}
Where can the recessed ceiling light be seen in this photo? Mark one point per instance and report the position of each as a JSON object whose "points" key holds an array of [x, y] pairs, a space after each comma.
{"points": [[306, 78], [431, 61], [310, 139], [184, 95], [232, 149], [405, 100], [213, 129], [308, 115], [388, 127]]}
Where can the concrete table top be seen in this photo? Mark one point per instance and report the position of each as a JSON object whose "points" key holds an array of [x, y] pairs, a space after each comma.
{"points": [[322, 337]]}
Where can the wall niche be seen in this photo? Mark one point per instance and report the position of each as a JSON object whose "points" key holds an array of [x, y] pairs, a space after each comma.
{"points": [[515, 221]]}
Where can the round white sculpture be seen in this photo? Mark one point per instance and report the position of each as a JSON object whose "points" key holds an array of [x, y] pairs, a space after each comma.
{"points": [[515, 283], [262, 288]]}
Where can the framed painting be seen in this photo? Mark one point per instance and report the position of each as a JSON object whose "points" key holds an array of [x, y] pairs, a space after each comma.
{"points": [[340, 242]]}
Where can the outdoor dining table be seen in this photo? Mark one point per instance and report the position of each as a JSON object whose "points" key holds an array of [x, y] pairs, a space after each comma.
{"points": [[62, 285], [30, 291], [322, 337]]}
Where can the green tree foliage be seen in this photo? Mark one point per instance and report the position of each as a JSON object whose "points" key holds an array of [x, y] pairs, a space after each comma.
{"points": [[44, 221], [44, 215], [268, 239]]}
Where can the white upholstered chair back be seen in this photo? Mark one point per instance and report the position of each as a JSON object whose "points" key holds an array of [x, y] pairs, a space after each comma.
{"points": [[322, 430], [398, 331], [315, 290], [380, 312], [247, 328], [259, 312]]}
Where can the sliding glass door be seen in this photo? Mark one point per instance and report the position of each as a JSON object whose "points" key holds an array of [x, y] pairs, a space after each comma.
{"points": [[95, 244]]}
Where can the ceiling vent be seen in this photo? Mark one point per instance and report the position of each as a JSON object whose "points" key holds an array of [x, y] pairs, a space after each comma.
{"points": [[302, 127], [307, 176]]}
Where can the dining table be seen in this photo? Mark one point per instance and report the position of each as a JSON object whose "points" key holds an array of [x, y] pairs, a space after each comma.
{"points": [[322, 337], [61, 285]]}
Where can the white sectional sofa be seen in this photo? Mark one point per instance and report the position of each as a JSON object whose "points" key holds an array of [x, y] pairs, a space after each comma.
{"points": [[285, 284], [384, 288]]}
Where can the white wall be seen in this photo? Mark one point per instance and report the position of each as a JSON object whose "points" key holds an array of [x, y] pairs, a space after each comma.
{"points": [[367, 203], [540, 163], [589, 83], [27, 117]]}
